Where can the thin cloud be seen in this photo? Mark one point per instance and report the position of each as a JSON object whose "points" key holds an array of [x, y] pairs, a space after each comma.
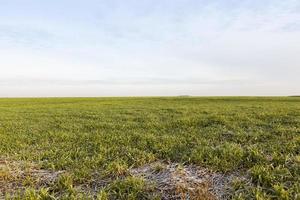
{"points": [[249, 46]]}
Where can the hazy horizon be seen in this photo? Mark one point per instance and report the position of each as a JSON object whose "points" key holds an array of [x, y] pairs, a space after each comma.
{"points": [[94, 48]]}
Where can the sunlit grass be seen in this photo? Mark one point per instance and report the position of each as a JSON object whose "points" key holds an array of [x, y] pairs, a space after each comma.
{"points": [[107, 136]]}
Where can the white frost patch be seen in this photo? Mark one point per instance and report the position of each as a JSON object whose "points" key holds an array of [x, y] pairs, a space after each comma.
{"points": [[175, 181]]}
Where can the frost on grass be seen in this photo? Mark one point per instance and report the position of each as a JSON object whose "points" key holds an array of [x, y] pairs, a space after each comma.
{"points": [[170, 181], [19, 175], [175, 181]]}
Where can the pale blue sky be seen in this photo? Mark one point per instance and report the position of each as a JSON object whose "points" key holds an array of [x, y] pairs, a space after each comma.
{"points": [[149, 47]]}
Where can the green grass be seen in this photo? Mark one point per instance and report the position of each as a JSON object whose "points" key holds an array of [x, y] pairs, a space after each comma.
{"points": [[96, 138]]}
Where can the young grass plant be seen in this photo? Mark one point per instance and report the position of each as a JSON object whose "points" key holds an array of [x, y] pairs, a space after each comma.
{"points": [[94, 139]]}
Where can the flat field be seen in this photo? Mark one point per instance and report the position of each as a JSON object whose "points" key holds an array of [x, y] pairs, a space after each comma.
{"points": [[150, 148]]}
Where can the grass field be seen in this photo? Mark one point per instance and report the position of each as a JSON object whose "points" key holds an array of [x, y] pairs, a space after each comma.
{"points": [[80, 148]]}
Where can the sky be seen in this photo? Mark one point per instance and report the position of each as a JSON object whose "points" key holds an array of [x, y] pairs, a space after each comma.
{"points": [[149, 48]]}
